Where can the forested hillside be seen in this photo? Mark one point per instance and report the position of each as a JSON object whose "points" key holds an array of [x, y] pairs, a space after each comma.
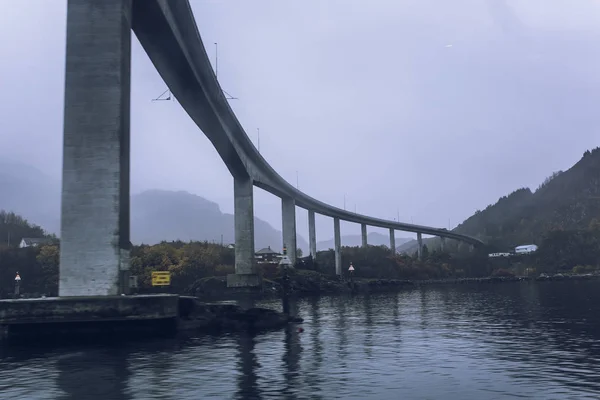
{"points": [[13, 228], [566, 201]]}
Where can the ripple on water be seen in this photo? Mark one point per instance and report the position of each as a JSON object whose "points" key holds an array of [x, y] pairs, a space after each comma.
{"points": [[463, 342]]}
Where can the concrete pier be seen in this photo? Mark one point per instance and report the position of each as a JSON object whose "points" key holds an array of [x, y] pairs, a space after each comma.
{"points": [[363, 234], [442, 244], [420, 245], [288, 218], [337, 240], [245, 264], [93, 314], [115, 317], [312, 234], [95, 246], [393, 241]]}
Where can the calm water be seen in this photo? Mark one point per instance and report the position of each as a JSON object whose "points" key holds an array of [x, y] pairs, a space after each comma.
{"points": [[521, 340]]}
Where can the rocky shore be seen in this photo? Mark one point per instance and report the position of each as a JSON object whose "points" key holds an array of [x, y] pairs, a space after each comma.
{"points": [[197, 315], [305, 283]]}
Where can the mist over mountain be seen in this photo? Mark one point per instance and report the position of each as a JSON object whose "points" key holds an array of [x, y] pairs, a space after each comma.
{"points": [[29, 192], [373, 238], [156, 215]]}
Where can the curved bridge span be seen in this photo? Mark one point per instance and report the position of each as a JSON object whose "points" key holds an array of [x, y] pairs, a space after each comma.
{"points": [[96, 146]]}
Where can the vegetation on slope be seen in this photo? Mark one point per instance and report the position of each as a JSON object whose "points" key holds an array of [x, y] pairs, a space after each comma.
{"points": [[562, 216], [13, 228], [566, 201]]}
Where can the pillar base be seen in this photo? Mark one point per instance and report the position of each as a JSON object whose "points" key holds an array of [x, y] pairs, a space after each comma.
{"points": [[243, 280]]}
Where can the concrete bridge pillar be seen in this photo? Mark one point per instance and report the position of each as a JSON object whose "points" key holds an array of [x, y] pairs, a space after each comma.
{"points": [[312, 234], [420, 245], [337, 240], [245, 263], [392, 241], [288, 218], [363, 234], [442, 244], [95, 246]]}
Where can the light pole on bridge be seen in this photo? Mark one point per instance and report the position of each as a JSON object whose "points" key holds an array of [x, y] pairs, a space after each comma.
{"points": [[216, 60]]}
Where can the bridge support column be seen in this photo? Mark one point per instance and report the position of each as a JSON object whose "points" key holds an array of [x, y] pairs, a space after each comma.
{"points": [[288, 218], [471, 248], [95, 246], [312, 234], [442, 244], [363, 234], [245, 263], [337, 244], [393, 241], [420, 245]]}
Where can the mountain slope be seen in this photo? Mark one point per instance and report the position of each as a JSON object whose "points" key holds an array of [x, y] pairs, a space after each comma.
{"points": [[567, 200], [156, 215]]}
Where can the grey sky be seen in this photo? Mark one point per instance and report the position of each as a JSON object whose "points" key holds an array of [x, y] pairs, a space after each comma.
{"points": [[361, 98]]}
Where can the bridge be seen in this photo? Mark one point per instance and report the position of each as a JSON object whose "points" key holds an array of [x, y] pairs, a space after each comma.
{"points": [[95, 242]]}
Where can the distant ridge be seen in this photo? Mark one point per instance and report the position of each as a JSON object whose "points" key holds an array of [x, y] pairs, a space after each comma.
{"points": [[156, 215], [373, 238], [568, 200]]}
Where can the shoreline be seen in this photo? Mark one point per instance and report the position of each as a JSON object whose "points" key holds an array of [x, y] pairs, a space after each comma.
{"points": [[141, 314], [309, 283]]}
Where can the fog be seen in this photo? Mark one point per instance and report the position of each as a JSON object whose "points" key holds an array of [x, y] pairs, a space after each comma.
{"points": [[422, 110]]}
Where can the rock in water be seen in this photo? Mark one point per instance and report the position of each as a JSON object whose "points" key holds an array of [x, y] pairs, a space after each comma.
{"points": [[193, 314]]}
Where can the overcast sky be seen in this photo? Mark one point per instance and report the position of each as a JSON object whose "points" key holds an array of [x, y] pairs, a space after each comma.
{"points": [[427, 108]]}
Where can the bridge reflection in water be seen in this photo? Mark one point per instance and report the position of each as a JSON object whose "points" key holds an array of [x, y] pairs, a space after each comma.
{"points": [[540, 340]]}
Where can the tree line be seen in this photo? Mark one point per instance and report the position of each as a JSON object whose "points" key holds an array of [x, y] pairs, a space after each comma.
{"points": [[560, 250]]}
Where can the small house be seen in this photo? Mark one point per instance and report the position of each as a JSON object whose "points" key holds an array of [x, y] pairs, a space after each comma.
{"points": [[267, 255]]}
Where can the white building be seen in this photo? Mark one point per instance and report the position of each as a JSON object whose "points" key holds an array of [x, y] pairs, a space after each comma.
{"points": [[34, 242], [526, 248]]}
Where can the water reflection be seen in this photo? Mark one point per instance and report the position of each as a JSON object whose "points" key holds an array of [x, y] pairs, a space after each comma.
{"points": [[247, 366], [424, 308], [396, 317], [289, 305], [456, 342], [94, 374], [291, 361], [313, 378], [368, 310]]}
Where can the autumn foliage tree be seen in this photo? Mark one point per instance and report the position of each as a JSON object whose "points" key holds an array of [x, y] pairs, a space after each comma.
{"points": [[187, 262]]}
